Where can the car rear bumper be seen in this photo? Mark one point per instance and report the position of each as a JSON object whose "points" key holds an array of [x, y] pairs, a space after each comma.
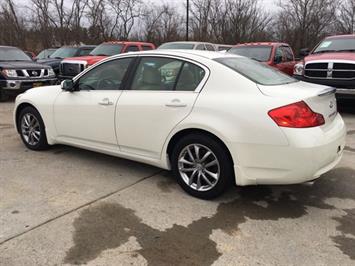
{"points": [[311, 152], [19, 86], [344, 88]]}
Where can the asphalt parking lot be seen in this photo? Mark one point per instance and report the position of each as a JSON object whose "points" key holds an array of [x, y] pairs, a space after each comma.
{"points": [[71, 206]]}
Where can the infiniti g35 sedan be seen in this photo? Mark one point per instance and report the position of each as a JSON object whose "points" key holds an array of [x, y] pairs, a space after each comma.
{"points": [[213, 119]]}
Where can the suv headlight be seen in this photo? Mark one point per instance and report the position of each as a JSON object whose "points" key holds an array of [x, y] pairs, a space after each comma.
{"points": [[298, 69], [10, 73], [51, 72]]}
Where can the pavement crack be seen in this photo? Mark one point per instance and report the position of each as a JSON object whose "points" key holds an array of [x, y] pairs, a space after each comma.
{"points": [[80, 207]]}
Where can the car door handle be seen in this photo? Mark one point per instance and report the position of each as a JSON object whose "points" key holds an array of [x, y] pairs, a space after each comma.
{"points": [[176, 103], [105, 101]]}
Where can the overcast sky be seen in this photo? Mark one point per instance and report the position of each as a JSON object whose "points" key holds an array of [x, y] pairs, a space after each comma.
{"points": [[268, 4]]}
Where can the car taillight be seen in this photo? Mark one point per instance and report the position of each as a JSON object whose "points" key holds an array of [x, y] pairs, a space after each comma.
{"points": [[296, 115]]}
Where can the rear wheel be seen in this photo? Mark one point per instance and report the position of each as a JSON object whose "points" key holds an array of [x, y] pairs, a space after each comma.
{"points": [[32, 129], [202, 166]]}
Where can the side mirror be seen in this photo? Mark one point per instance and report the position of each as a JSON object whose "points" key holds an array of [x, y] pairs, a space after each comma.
{"points": [[67, 85], [278, 59], [304, 52]]}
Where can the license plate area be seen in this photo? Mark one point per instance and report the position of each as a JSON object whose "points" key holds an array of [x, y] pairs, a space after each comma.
{"points": [[37, 84]]}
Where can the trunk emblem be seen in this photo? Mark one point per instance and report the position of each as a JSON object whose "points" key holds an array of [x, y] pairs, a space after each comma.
{"points": [[331, 104]]}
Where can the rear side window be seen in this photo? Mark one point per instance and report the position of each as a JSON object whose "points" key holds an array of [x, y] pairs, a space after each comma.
{"points": [[210, 47], [166, 74], [190, 77], [200, 47], [255, 71], [132, 48], [146, 47]]}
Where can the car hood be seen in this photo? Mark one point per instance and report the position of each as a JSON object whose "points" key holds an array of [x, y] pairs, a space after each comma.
{"points": [[330, 56], [22, 65], [89, 59]]}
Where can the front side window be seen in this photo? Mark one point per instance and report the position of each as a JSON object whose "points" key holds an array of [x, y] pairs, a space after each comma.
{"points": [[258, 53], [107, 76], [279, 55], [166, 74], [255, 71]]}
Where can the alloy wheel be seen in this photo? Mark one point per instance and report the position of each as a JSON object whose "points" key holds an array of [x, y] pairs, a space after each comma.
{"points": [[199, 167], [30, 128]]}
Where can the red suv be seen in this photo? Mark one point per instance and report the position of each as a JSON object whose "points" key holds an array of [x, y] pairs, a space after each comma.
{"points": [[275, 54], [70, 67], [332, 63]]}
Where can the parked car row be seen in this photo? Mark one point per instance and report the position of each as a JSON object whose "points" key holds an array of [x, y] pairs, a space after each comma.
{"points": [[331, 62]]}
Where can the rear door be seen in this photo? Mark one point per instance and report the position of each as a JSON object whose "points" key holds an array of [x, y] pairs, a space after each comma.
{"points": [[162, 93]]}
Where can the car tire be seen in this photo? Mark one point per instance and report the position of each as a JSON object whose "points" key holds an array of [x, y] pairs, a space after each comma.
{"points": [[32, 129], [189, 163]]}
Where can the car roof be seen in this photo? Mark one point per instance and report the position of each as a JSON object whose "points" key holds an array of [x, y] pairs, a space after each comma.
{"points": [[190, 42], [77, 46], [4, 46], [127, 42], [182, 53], [261, 44], [348, 36]]}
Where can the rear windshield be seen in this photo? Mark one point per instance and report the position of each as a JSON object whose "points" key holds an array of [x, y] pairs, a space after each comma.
{"points": [[259, 53], [107, 50], [64, 52], [176, 46], [336, 45], [13, 54], [255, 71]]}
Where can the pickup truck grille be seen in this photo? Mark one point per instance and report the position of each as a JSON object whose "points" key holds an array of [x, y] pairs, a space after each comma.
{"points": [[71, 69], [32, 73], [330, 70]]}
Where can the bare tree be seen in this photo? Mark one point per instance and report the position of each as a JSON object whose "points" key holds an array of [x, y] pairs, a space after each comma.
{"points": [[346, 19], [304, 22]]}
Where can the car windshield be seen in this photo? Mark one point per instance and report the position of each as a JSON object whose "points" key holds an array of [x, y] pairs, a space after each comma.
{"points": [[176, 46], [13, 54], [64, 52], [345, 44], [107, 49], [255, 71], [259, 53]]}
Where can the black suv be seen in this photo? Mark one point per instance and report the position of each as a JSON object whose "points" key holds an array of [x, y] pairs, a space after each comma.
{"points": [[19, 73], [56, 58]]}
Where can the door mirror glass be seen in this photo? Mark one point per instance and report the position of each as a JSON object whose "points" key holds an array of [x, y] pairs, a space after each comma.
{"points": [[67, 85]]}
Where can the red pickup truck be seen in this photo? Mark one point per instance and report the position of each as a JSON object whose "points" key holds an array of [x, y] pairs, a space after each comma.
{"points": [[70, 67], [275, 54], [332, 63]]}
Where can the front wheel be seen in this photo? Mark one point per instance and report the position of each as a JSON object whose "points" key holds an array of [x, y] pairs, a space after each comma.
{"points": [[32, 129], [202, 166]]}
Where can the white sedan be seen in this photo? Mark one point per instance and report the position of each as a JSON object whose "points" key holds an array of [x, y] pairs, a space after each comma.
{"points": [[213, 119]]}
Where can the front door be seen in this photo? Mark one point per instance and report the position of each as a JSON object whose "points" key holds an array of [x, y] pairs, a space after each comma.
{"points": [[162, 93], [87, 116]]}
